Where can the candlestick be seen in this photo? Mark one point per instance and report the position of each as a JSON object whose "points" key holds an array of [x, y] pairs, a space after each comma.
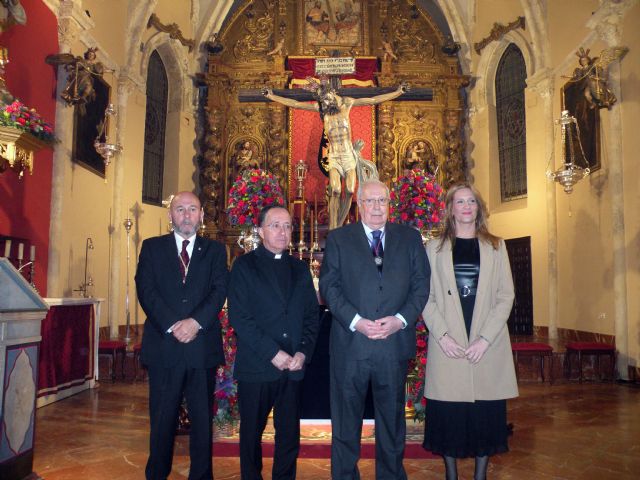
{"points": [[7, 248], [32, 256], [20, 251], [311, 225]]}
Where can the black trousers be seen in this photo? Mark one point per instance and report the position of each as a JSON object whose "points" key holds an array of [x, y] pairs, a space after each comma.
{"points": [[166, 389], [255, 401], [349, 384]]}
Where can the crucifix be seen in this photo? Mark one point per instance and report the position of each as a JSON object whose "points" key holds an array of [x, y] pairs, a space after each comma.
{"points": [[334, 104]]}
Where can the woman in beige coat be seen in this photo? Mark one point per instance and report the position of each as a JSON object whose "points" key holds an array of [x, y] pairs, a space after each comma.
{"points": [[469, 373]]}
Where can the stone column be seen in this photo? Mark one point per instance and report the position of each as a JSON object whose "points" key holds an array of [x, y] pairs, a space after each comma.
{"points": [[71, 23], [607, 23], [544, 87], [116, 230]]}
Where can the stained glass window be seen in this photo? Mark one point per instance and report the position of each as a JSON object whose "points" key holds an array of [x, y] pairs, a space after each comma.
{"points": [[512, 139], [154, 131]]}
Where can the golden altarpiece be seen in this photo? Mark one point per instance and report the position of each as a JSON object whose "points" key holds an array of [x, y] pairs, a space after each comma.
{"points": [[254, 49]]}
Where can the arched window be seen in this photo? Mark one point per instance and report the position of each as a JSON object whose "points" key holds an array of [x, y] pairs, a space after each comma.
{"points": [[512, 139], [154, 131]]}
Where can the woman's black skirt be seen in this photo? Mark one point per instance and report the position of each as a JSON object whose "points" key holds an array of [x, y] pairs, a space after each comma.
{"points": [[466, 429]]}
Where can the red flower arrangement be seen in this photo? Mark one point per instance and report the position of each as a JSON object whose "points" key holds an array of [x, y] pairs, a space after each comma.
{"points": [[251, 191], [18, 115], [416, 200], [415, 377], [225, 406]]}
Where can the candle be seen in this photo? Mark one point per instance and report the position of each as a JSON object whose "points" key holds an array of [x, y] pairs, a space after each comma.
{"points": [[7, 248], [311, 223], [20, 251], [302, 221], [315, 205], [32, 257]]}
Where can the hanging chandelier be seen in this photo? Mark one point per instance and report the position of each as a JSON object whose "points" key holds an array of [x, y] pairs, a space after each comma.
{"points": [[570, 173], [106, 141]]}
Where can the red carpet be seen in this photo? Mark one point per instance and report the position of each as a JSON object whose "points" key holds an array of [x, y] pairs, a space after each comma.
{"points": [[317, 450]]}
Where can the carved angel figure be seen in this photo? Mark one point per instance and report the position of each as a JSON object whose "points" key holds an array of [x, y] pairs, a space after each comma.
{"points": [[594, 74], [81, 70]]}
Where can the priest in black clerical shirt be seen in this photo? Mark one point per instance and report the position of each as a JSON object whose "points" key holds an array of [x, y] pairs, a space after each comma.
{"points": [[274, 310]]}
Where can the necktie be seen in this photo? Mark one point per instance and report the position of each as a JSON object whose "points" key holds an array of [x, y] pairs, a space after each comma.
{"points": [[184, 260], [377, 249], [376, 245]]}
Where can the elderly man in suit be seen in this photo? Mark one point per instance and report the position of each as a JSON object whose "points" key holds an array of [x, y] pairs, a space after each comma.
{"points": [[274, 310], [375, 280], [182, 284]]}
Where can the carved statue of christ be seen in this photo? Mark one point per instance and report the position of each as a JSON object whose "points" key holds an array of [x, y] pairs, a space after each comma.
{"points": [[344, 157]]}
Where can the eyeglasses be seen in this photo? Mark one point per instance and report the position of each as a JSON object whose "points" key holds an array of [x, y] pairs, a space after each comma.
{"points": [[280, 226], [370, 202]]}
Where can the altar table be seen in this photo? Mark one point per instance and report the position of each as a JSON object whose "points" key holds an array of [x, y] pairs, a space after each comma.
{"points": [[68, 361]]}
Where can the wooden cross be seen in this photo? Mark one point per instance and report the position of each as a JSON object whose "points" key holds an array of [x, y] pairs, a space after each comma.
{"points": [[302, 95]]}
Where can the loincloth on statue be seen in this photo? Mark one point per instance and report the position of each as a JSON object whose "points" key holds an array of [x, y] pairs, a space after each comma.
{"points": [[342, 163]]}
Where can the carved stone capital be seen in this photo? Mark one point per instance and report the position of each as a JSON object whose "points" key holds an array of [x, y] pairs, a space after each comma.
{"points": [[607, 20], [542, 83], [72, 22]]}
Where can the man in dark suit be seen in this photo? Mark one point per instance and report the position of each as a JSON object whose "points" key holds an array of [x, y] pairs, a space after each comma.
{"points": [[274, 310], [182, 284], [375, 280]]}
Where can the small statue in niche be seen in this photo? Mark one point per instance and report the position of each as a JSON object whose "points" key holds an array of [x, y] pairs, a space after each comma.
{"points": [[388, 54], [278, 49], [245, 157], [81, 72], [594, 75], [414, 156]]}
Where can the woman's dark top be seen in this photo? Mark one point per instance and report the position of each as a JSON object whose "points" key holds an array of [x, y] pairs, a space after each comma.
{"points": [[466, 266]]}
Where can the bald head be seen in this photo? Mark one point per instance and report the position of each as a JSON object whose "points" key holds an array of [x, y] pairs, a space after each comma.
{"points": [[185, 212]]}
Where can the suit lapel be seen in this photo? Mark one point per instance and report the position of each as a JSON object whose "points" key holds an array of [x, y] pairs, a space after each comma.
{"points": [[172, 256], [484, 278], [362, 245], [452, 285], [195, 262]]}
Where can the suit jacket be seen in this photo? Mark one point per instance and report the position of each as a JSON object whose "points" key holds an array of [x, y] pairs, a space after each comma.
{"points": [[265, 320], [165, 300], [456, 379], [350, 284]]}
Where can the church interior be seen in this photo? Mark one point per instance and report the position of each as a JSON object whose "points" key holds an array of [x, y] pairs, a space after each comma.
{"points": [[111, 106]]}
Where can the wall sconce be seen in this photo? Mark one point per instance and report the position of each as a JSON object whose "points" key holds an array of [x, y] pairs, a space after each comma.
{"points": [[106, 141], [570, 173]]}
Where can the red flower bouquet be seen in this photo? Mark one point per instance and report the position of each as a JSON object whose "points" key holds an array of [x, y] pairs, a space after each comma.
{"points": [[251, 191], [18, 115], [225, 407], [415, 376], [416, 200]]}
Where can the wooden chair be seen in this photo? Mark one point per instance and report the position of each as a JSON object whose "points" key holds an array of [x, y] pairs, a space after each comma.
{"points": [[112, 348], [590, 348], [533, 349]]}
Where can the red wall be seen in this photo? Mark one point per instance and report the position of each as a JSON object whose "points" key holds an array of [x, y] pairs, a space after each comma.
{"points": [[25, 205]]}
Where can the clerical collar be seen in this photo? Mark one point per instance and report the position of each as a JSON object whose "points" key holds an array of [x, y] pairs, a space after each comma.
{"points": [[270, 254]]}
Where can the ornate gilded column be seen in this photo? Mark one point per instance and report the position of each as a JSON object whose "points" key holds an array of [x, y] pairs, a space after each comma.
{"points": [[607, 23], [71, 23]]}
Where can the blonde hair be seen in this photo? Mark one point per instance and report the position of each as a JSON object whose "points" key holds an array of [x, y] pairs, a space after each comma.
{"points": [[448, 222]]}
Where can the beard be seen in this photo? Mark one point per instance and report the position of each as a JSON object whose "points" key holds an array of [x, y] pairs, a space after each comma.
{"points": [[331, 108]]}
